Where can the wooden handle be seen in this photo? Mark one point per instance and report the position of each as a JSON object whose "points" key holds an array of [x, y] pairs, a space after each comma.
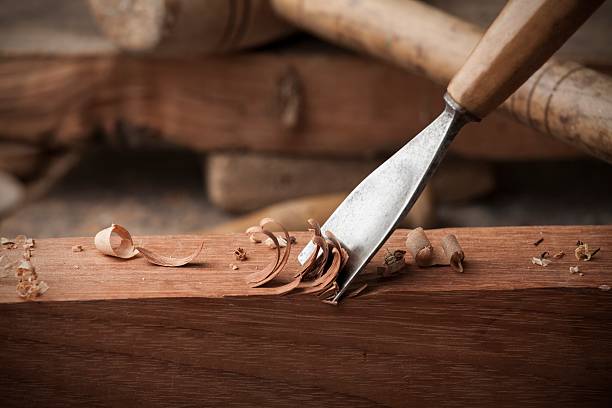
{"points": [[562, 99], [524, 35], [179, 27]]}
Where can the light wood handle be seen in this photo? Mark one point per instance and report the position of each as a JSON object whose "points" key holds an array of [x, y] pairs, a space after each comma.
{"points": [[524, 35], [186, 27]]}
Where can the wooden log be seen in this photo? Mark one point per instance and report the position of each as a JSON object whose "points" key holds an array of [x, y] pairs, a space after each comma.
{"points": [[426, 40], [505, 332], [240, 182], [292, 212], [187, 27], [235, 102]]}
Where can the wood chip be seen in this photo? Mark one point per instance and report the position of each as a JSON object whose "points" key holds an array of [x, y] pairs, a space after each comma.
{"points": [[117, 241], [234, 267], [240, 254], [538, 242], [559, 255], [540, 261], [77, 248], [574, 269], [393, 263], [583, 253], [605, 288]]}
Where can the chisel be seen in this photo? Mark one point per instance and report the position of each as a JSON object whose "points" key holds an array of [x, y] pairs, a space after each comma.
{"points": [[522, 37]]}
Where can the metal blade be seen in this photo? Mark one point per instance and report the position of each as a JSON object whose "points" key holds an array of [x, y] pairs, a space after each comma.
{"points": [[366, 218]]}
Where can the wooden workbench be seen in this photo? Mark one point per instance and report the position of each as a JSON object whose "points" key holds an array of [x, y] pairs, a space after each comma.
{"points": [[124, 332]]}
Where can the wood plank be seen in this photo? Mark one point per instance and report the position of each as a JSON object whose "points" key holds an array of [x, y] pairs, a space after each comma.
{"points": [[350, 105], [505, 332], [240, 182], [498, 259]]}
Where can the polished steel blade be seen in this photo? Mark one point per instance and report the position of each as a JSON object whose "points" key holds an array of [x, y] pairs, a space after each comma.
{"points": [[366, 218]]}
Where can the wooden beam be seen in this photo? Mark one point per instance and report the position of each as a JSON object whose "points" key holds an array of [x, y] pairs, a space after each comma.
{"points": [[505, 332], [341, 102]]}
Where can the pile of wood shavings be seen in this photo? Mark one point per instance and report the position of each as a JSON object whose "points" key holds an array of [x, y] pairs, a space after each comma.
{"points": [[28, 284], [317, 276]]}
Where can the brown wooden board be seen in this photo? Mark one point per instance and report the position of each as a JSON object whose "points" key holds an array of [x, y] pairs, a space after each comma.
{"points": [[347, 105], [505, 332]]}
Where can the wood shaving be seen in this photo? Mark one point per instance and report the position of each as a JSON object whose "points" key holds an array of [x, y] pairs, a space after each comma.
{"points": [[574, 269], [582, 251], [163, 260], [559, 255], [28, 285], [540, 261], [605, 288], [240, 254], [259, 278], [425, 254], [394, 263], [77, 248], [419, 246], [319, 273], [234, 267], [538, 242], [117, 241]]}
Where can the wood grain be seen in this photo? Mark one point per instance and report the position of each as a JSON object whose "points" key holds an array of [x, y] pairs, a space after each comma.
{"points": [[505, 332], [522, 38], [433, 43]]}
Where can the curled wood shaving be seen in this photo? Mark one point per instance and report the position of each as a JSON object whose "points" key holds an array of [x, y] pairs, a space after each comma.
{"points": [[453, 252], [319, 273], [163, 260], [425, 254], [259, 278], [582, 251], [420, 247], [117, 241]]}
